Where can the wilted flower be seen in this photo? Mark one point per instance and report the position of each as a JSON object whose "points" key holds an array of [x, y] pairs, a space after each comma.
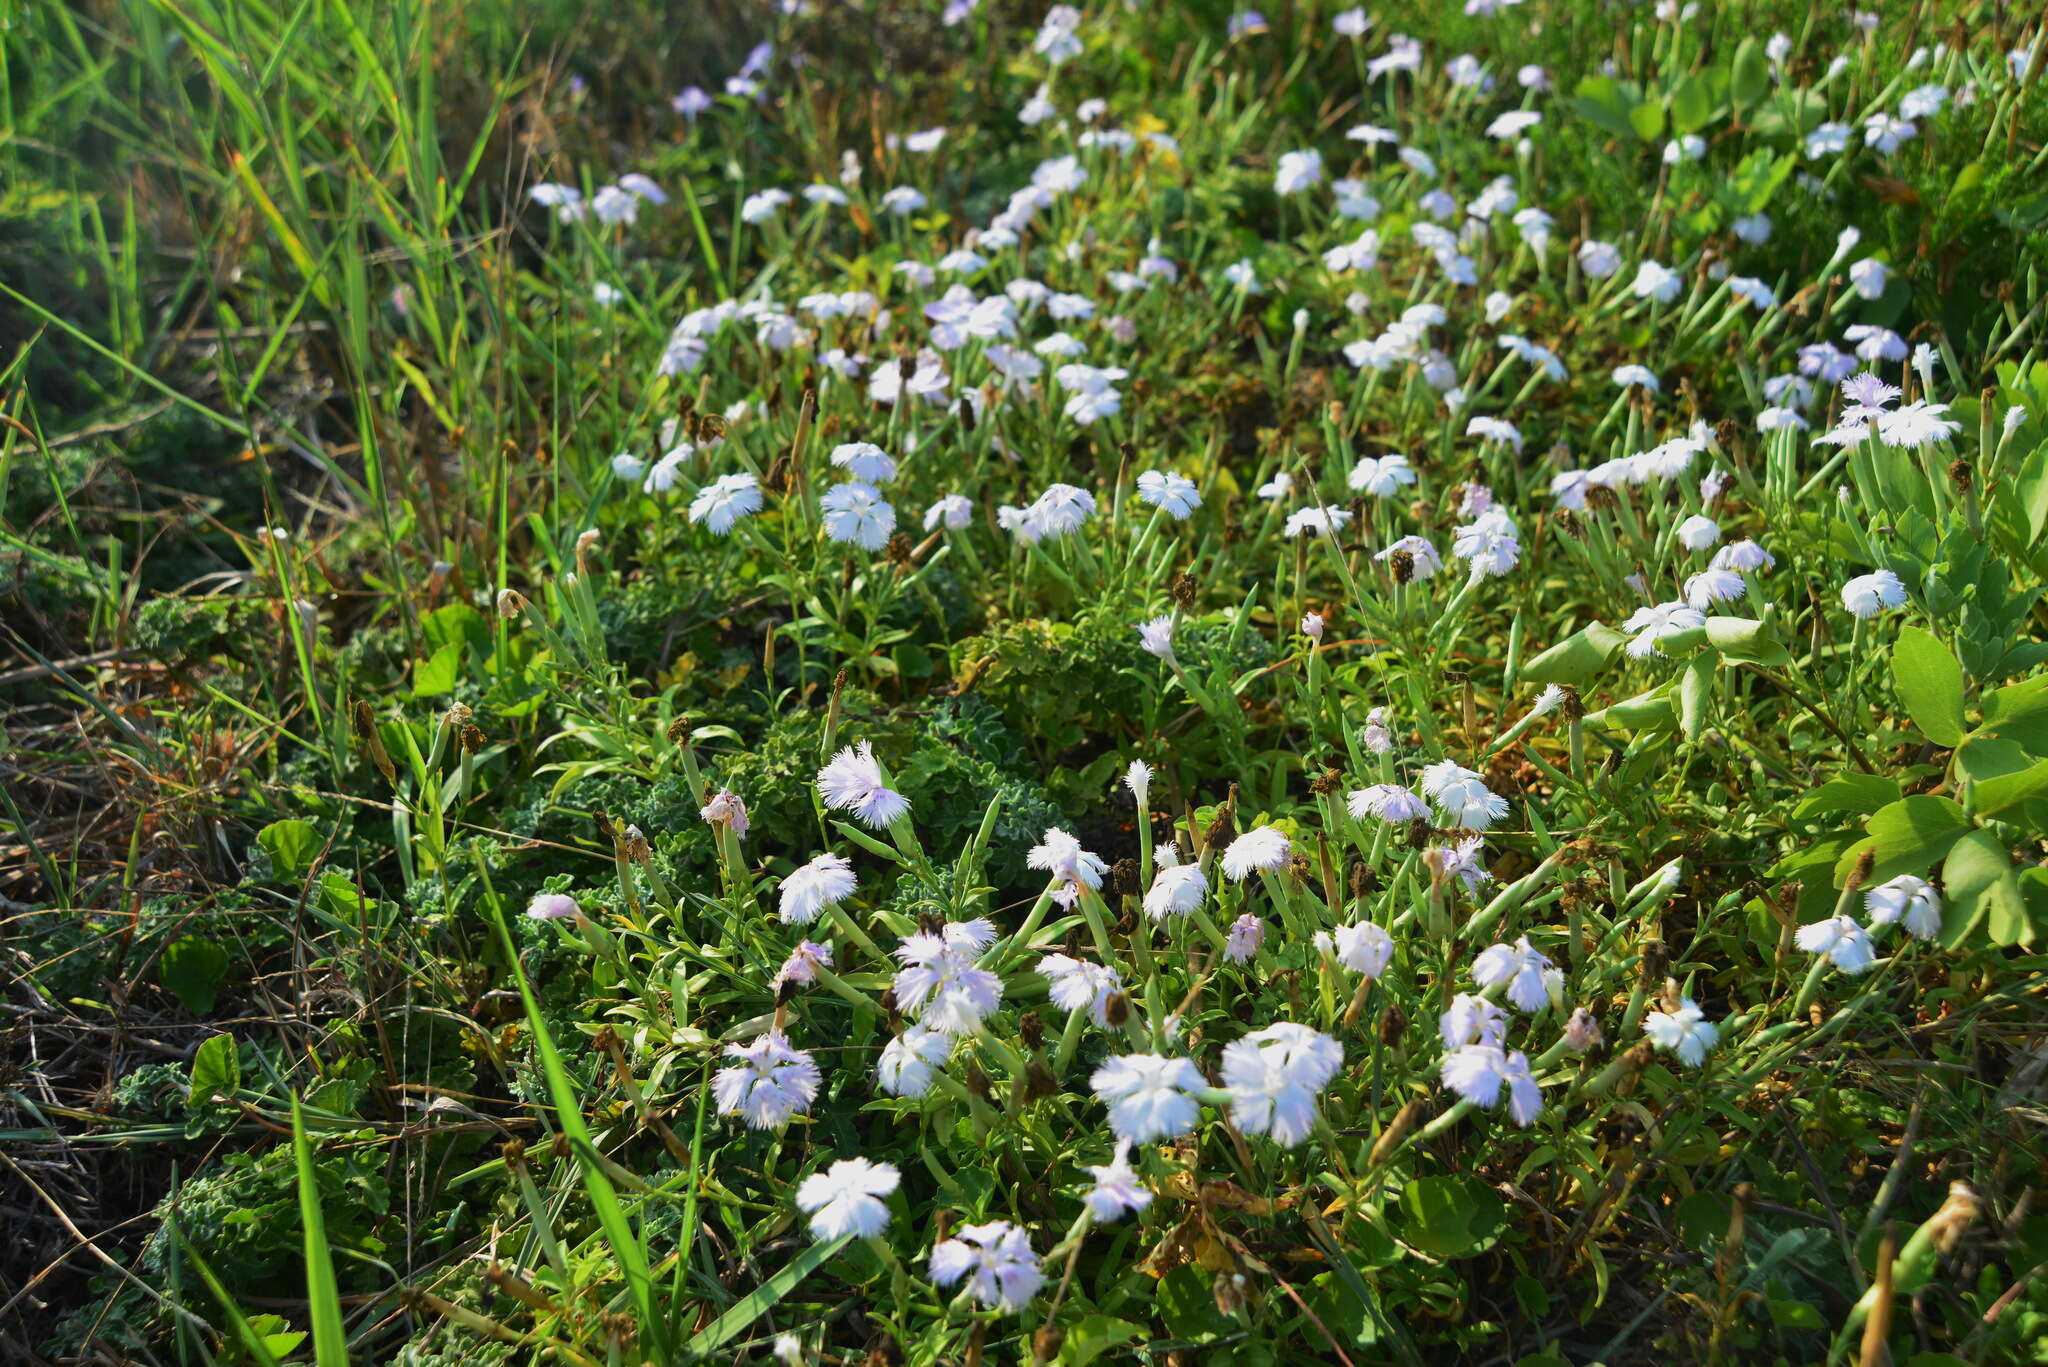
{"points": [[726, 809]]}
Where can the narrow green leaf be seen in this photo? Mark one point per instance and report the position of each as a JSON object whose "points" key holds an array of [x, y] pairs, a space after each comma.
{"points": [[762, 1298], [323, 1296], [626, 1246]]}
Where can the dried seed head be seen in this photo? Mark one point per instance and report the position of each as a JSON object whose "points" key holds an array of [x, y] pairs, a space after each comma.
{"points": [[472, 738], [1039, 1082], [1031, 1029], [1573, 706], [1045, 1344], [679, 731], [1655, 960], [510, 603], [1125, 872], [1184, 588], [1402, 566], [1860, 874], [1960, 475], [1404, 1121], [1364, 879], [1117, 1010], [897, 548], [1327, 782], [513, 1151], [1393, 1025], [1601, 499], [966, 411]]}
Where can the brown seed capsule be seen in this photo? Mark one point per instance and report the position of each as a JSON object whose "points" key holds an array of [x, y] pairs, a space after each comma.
{"points": [[1184, 588], [1031, 1029], [1860, 874], [966, 411], [1116, 1009], [1601, 499], [1039, 1082], [473, 738], [1125, 872], [605, 1040], [1401, 564], [1045, 1344], [1655, 960], [1364, 879], [513, 1151], [1327, 782], [1404, 1121], [897, 548], [679, 731], [1573, 706], [1960, 475], [1393, 1025], [977, 1080]]}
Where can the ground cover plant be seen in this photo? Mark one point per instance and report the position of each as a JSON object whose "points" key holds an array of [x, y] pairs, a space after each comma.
{"points": [[901, 683]]}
